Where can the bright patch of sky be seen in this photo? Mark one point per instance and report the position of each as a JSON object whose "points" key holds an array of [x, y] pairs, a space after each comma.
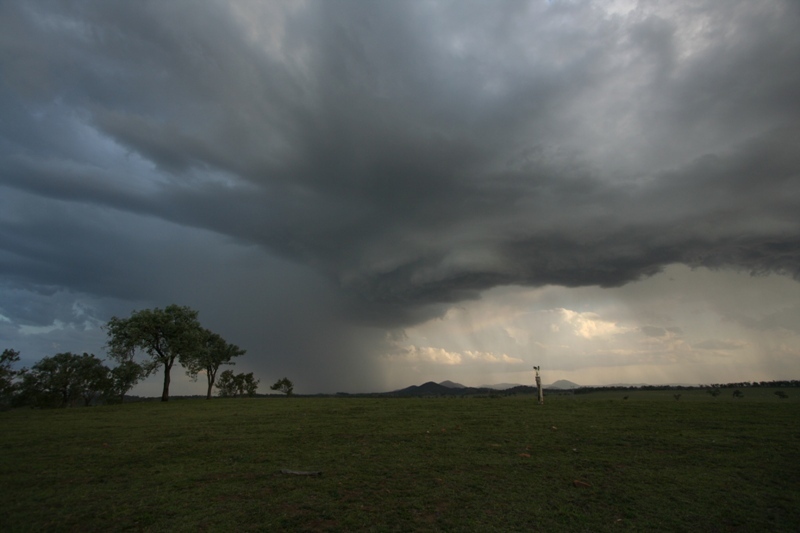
{"points": [[660, 330]]}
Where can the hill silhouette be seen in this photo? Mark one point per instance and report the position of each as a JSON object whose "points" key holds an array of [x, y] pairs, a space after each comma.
{"points": [[452, 384], [431, 388]]}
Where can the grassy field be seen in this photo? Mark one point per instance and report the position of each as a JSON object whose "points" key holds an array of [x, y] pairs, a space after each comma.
{"points": [[591, 462]]}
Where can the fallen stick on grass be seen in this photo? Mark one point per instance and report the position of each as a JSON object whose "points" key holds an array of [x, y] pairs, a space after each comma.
{"points": [[301, 472]]}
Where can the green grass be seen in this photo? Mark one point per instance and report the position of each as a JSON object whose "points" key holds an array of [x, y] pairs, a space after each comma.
{"points": [[466, 464]]}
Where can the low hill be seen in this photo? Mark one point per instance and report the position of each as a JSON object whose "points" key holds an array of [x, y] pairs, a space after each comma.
{"points": [[426, 389], [563, 384], [449, 388], [438, 389]]}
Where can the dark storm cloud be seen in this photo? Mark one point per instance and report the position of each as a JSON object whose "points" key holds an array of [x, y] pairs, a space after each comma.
{"points": [[412, 153], [787, 319]]}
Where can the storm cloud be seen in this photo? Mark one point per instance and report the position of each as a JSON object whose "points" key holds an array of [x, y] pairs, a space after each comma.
{"points": [[330, 171]]}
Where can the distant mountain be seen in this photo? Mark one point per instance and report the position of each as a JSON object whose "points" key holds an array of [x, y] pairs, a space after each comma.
{"points": [[438, 389], [426, 389], [452, 385], [450, 388], [563, 384]]}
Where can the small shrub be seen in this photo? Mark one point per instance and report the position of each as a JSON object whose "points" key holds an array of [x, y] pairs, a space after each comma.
{"points": [[283, 385]]}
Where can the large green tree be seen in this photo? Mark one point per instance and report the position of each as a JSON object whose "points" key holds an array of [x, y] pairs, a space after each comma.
{"points": [[165, 335], [215, 352]]}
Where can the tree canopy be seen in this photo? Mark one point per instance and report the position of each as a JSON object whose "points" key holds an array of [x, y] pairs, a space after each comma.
{"points": [[283, 385], [124, 376], [214, 353], [233, 385], [165, 335], [64, 379]]}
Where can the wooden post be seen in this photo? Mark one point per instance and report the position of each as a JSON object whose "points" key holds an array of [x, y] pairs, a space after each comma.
{"points": [[539, 385]]}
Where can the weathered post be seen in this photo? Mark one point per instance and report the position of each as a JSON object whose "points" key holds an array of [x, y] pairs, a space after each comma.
{"points": [[539, 385]]}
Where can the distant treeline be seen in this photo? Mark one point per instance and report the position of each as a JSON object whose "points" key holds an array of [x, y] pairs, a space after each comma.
{"points": [[736, 385], [784, 383]]}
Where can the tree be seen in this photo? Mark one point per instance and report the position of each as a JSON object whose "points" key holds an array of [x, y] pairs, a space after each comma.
{"points": [[738, 394], [215, 352], [64, 379], [7, 375], [226, 384], [714, 392], [92, 379], [249, 384], [165, 335], [233, 385], [123, 377], [782, 395], [283, 385]]}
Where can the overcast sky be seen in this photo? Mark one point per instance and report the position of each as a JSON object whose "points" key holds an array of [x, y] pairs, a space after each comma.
{"points": [[368, 195]]}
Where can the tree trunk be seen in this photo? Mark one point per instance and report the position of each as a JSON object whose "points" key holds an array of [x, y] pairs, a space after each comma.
{"points": [[165, 393], [210, 376]]}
